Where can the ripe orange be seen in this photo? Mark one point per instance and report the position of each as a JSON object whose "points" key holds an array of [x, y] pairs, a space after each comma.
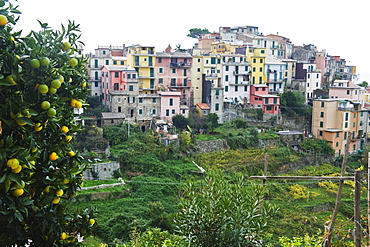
{"points": [[65, 181], [3, 20], [37, 127], [73, 62], [43, 88], [63, 236], [68, 138], [13, 163], [18, 192], [71, 153], [92, 221], [78, 104], [53, 156], [59, 192], [18, 169], [73, 102], [84, 84], [45, 105], [65, 129], [56, 200]]}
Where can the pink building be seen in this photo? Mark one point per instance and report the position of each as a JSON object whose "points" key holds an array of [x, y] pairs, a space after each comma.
{"points": [[170, 104], [174, 72], [115, 78], [260, 98], [345, 89]]}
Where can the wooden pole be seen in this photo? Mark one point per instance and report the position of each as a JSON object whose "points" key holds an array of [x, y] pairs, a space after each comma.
{"points": [[265, 168], [327, 242], [357, 210]]}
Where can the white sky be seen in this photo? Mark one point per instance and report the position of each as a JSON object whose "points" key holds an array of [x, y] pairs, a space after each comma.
{"points": [[338, 26]]}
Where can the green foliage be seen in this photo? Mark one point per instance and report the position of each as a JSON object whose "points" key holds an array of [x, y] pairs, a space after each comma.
{"points": [[317, 146], [30, 134], [197, 32], [218, 212], [180, 122], [364, 84], [154, 238], [91, 138], [212, 121], [293, 103]]}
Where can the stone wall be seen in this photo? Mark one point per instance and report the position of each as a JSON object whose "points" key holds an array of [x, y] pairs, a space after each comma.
{"points": [[211, 146], [101, 170]]}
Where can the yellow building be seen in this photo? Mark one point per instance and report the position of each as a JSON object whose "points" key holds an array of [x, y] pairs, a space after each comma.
{"points": [[142, 58], [222, 47], [256, 57], [333, 120]]}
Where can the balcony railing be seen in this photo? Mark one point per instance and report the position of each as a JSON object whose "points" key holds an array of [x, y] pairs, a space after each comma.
{"points": [[180, 64]]}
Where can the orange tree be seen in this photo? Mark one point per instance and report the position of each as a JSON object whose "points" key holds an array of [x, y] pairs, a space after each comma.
{"points": [[42, 82]]}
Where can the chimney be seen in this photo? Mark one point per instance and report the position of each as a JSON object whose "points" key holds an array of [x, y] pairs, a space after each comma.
{"points": [[168, 49]]}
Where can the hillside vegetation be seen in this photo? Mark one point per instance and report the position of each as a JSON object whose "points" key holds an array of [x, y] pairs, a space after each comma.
{"points": [[155, 176]]}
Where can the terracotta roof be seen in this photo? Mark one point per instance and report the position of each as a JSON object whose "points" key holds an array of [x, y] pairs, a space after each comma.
{"points": [[203, 106]]}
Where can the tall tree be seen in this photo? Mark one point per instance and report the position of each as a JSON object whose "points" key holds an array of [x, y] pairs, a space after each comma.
{"points": [[293, 103], [180, 121], [217, 212], [41, 84], [197, 32]]}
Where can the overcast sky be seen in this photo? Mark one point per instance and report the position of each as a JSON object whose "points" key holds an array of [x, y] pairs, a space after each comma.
{"points": [[337, 26]]}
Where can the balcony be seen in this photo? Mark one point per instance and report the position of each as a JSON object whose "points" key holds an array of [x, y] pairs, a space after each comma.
{"points": [[146, 75], [241, 73], [176, 65], [212, 76], [239, 83], [179, 86], [340, 108]]}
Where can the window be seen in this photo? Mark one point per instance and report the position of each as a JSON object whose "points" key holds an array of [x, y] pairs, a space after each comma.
{"points": [[260, 79], [185, 82], [160, 81], [119, 100], [154, 111], [322, 104], [254, 69], [226, 68], [308, 76], [217, 92], [140, 100], [337, 135], [354, 124], [261, 60], [173, 82], [254, 60], [321, 114], [128, 76], [115, 86], [106, 62], [173, 71], [154, 100], [320, 133], [236, 88], [217, 107], [226, 88], [308, 84], [321, 124], [114, 62], [226, 77], [345, 136], [140, 111], [348, 92], [130, 88], [96, 84], [96, 63], [245, 88], [122, 62], [346, 116], [159, 60], [336, 144], [96, 75], [354, 115], [171, 102], [198, 69], [160, 70], [268, 108], [173, 111], [261, 69], [116, 74], [167, 112], [317, 75], [346, 125]]}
